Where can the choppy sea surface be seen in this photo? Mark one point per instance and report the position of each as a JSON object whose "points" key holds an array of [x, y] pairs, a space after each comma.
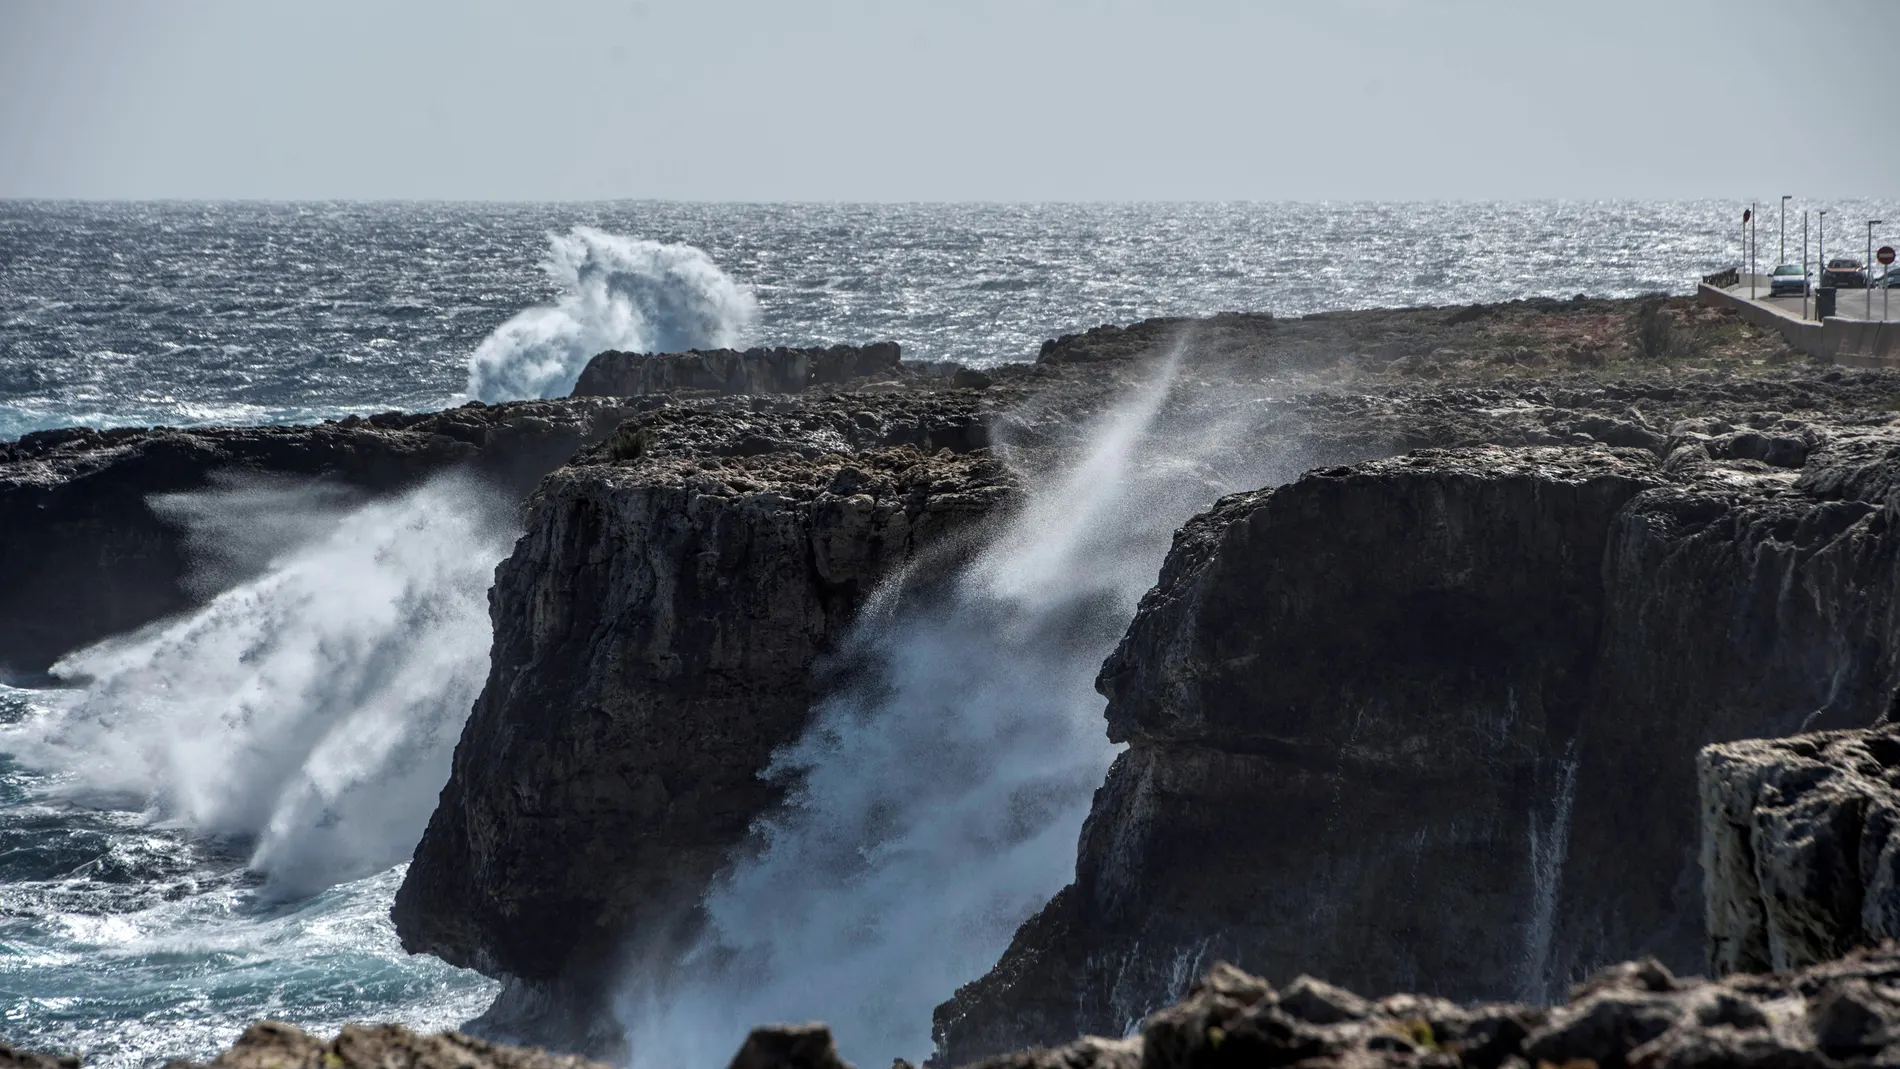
{"points": [[206, 826]]}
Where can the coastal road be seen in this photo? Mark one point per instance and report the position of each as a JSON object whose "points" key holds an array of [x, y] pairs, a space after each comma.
{"points": [[1849, 304]]}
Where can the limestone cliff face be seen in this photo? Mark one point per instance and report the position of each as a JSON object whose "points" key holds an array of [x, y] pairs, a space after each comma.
{"points": [[1800, 847], [1431, 723], [656, 634], [83, 555]]}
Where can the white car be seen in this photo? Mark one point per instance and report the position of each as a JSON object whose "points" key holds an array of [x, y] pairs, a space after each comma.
{"points": [[1787, 280]]}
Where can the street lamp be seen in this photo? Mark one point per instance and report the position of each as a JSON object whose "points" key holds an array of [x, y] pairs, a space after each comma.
{"points": [[1869, 264], [1782, 257]]}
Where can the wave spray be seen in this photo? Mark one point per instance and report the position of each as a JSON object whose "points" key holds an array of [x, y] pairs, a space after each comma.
{"points": [[311, 710], [933, 808], [616, 293]]}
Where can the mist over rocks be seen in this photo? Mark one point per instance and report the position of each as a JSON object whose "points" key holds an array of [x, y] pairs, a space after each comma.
{"points": [[83, 525], [673, 614], [655, 635], [1431, 722]]}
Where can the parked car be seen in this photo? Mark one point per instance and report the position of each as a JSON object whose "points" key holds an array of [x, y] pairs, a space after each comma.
{"points": [[1844, 272], [1889, 279], [1787, 280]]}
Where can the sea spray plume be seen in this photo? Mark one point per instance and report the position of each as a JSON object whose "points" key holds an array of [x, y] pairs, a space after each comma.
{"points": [[616, 293], [312, 709], [935, 805]]}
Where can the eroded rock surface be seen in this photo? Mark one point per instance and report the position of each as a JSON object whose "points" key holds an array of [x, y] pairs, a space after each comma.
{"points": [[275, 1045], [1636, 1014], [656, 632], [1800, 856], [731, 371], [1430, 723]]}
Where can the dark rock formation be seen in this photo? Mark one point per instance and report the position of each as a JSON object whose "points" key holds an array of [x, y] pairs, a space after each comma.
{"points": [[1843, 1013], [1431, 722], [11, 1058], [586, 812], [729, 371], [275, 1045], [1800, 856], [789, 1046], [84, 556], [655, 637]]}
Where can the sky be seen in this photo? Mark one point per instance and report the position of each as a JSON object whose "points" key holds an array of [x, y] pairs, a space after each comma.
{"points": [[957, 100]]}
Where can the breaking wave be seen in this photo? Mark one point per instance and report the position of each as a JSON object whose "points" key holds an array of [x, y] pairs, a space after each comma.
{"points": [[616, 293], [309, 711]]}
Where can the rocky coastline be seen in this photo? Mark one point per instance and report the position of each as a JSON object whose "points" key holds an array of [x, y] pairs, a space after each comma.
{"points": [[1431, 716]]}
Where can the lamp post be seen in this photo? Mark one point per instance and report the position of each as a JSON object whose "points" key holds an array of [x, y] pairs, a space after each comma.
{"points": [[1804, 264], [1820, 244], [1868, 266], [1782, 256]]}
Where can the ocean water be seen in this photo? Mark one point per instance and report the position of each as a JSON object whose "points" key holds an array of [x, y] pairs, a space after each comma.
{"points": [[207, 823]]}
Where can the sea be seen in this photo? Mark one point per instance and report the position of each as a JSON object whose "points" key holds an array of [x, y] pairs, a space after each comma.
{"points": [[203, 823]]}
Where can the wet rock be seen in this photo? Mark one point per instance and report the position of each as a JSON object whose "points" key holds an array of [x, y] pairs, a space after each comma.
{"points": [[656, 634], [84, 555]]}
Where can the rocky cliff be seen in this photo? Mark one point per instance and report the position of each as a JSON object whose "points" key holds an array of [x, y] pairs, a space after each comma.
{"points": [[656, 633], [84, 555], [1431, 722], [730, 371], [1800, 856]]}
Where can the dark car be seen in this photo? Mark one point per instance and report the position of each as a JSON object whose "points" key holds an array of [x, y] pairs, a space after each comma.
{"points": [[1787, 280], [1844, 272]]}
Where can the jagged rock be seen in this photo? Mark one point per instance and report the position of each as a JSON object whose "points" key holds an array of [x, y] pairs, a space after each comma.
{"points": [[13, 1058], [789, 1046], [78, 531], [1431, 722], [729, 371], [1846, 1013], [553, 748], [1799, 853], [655, 636], [275, 1045]]}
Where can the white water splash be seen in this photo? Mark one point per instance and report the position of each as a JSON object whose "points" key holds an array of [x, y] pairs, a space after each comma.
{"points": [[616, 293], [935, 809], [312, 709], [1549, 849]]}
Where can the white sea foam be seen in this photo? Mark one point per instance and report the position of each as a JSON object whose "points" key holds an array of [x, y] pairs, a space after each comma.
{"points": [[311, 709], [616, 293], [935, 808]]}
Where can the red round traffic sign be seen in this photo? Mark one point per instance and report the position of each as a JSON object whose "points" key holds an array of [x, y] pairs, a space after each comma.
{"points": [[1885, 255]]}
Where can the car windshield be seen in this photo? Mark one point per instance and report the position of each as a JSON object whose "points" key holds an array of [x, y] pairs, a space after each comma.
{"points": [[1787, 269], [1843, 263]]}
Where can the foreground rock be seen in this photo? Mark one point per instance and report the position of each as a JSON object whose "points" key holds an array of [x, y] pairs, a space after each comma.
{"points": [[1430, 723], [1636, 1014], [86, 553], [274, 1045], [1800, 856]]}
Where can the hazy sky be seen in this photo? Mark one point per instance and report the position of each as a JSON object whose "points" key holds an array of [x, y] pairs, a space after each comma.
{"points": [[947, 100]]}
